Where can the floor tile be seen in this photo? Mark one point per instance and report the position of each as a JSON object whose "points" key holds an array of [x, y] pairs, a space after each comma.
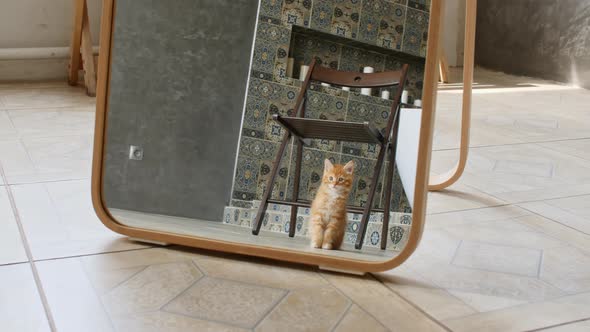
{"points": [[167, 322], [270, 274], [390, 309], [567, 268], [573, 212], [45, 97], [438, 303], [356, 319], [7, 130], [581, 326], [151, 288], [483, 242], [526, 317], [520, 173], [459, 197], [12, 250], [20, 305], [483, 303], [32, 160], [52, 122], [226, 301], [490, 257], [74, 304], [578, 148], [309, 309], [83, 291], [59, 221]]}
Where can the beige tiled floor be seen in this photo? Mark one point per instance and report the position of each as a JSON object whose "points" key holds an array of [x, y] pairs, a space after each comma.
{"points": [[505, 249]]}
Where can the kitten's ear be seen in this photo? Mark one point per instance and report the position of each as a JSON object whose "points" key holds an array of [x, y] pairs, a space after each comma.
{"points": [[328, 165], [349, 167]]}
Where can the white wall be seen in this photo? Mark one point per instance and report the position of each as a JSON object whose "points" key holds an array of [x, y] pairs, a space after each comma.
{"points": [[454, 31], [42, 23]]}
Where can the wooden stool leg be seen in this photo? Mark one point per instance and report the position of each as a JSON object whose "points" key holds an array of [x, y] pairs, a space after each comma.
{"points": [[296, 181], [75, 59], [270, 184], [369, 205], [88, 56]]}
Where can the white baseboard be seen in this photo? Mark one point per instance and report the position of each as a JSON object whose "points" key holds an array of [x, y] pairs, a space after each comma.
{"points": [[35, 64], [33, 70]]}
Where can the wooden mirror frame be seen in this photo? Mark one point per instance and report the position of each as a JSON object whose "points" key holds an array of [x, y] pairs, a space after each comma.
{"points": [[324, 261]]}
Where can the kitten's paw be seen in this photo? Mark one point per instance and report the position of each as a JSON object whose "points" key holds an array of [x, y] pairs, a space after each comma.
{"points": [[316, 245], [327, 246]]}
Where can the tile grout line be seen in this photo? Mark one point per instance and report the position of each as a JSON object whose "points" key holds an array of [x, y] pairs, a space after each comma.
{"points": [[29, 254], [389, 289], [553, 220], [412, 304], [559, 325], [91, 254], [342, 315], [522, 143]]}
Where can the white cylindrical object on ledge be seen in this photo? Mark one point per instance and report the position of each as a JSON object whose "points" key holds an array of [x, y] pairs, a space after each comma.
{"points": [[290, 65], [385, 94], [367, 91], [326, 85], [303, 72], [418, 103], [345, 88], [405, 96]]}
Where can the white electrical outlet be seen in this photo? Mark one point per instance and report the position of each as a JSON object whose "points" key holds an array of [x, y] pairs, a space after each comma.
{"points": [[135, 152]]}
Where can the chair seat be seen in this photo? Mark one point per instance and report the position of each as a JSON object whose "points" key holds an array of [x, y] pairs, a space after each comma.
{"points": [[304, 128]]}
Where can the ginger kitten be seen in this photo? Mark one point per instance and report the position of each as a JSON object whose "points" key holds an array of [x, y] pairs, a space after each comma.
{"points": [[328, 210]]}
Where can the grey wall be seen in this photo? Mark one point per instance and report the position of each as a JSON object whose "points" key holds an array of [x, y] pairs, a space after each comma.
{"points": [[541, 38], [178, 81], [42, 23]]}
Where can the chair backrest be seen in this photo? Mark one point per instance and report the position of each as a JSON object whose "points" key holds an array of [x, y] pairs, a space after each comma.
{"points": [[357, 80]]}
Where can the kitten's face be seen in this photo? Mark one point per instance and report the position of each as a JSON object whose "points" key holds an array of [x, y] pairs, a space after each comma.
{"points": [[338, 176]]}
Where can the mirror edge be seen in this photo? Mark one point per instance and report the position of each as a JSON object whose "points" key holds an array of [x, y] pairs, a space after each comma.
{"points": [[422, 172]]}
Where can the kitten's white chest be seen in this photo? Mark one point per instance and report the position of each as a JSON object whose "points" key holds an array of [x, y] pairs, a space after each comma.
{"points": [[329, 209]]}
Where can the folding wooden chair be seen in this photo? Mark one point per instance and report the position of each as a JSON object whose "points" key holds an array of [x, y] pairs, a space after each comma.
{"points": [[304, 129]]}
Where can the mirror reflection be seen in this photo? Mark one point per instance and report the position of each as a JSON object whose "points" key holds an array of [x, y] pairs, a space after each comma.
{"points": [[290, 124]]}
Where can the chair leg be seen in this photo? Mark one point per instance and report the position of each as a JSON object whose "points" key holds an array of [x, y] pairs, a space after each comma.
{"points": [[369, 205], [295, 194], [386, 207], [269, 185], [389, 177]]}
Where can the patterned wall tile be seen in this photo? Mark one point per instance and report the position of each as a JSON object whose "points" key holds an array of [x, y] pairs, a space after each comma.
{"points": [[382, 23], [254, 167], [391, 27], [306, 48], [321, 17], [355, 59], [271, 8], [416, 32], [271, 49], [296, 12], [423, 5], [345, 21]]}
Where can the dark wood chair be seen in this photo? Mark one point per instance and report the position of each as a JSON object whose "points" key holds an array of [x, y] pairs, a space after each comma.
{"points": [[303, 129]]}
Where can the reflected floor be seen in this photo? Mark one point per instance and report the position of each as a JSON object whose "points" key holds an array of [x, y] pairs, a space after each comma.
{"points": [[237, 234]]}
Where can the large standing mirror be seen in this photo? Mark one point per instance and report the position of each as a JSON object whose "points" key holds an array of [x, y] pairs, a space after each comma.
{"points": [[217, 121]]}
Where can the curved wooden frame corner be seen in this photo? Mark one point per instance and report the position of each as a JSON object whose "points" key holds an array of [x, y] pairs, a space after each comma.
{"points": [[442, 181], [422, 176]]}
